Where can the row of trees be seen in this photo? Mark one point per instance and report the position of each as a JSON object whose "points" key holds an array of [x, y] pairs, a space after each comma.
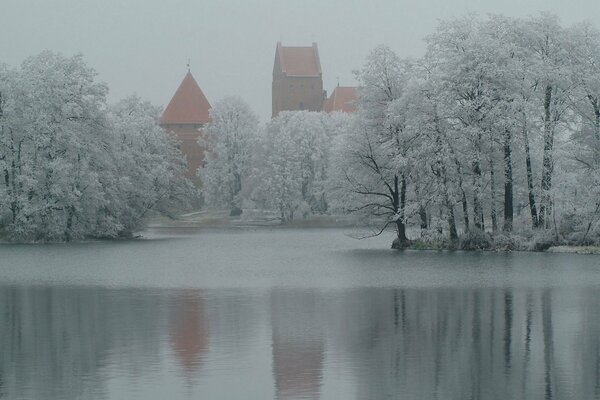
{"points": [[282, 167], [73, 167], [495, 129], [500, 116]]}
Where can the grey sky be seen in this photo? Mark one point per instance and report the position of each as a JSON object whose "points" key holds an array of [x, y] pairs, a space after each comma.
{"points": [[142, 46]]}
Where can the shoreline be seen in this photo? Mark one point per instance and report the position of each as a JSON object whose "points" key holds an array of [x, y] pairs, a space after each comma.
{"points": [[212, 219], [587, 250]]}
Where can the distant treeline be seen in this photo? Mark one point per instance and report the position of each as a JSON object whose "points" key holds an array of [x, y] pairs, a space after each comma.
{"points": [[490, 140]]}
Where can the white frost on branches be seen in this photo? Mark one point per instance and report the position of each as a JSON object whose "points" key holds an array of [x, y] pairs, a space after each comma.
{"points": [[71, 166]]}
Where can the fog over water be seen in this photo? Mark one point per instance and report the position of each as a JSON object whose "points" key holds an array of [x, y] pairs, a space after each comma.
{"points": [[144, 46]]}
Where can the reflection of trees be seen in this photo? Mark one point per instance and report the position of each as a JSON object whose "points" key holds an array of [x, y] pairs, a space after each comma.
{"points": [[548, 343], [54, 341], [298, 344], [64, 342], [464, 344], [442, 343], [235, 322]]}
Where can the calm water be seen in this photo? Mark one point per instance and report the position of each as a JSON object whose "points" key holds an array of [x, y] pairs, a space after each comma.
{"points": [[294, 314]]}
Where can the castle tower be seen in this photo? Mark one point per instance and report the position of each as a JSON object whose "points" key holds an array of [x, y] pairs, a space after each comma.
{"points": [[297, 79], [342, 99], [184, 117]]}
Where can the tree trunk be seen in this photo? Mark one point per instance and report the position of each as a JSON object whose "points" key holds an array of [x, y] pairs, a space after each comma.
{"points": [[423, 218], [508, 184], [531, 195], [465, 205], [450, 207], [69, 227], [595, 101], [493, 211], [422, 211], [442, 173], [597, 120], [235, 206], [547, 163], [401, 204], [452, 224], [478, 220]]}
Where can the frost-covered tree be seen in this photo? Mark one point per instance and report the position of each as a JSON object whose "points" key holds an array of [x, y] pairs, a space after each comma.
{"points": [[375, 162], [583, 210], [434, 154], [54, 122], [229, 140], [155, 167], [500, 118], [291, 171], [71, 167], [468, 68], [544, 39]]}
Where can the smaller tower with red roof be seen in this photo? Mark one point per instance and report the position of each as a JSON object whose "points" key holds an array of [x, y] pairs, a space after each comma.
{"points": [[184, 117], [343, 98]]}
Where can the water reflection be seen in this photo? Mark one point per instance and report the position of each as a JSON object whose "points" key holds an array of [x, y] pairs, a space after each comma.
{"points": [[298, 343], [368, 343], [189, 330], [55, 343]]}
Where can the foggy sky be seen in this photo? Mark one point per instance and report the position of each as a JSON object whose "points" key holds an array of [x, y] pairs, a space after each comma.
{"points": [[143, 46]]}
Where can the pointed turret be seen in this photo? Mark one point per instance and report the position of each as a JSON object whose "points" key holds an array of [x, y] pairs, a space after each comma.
{"points": [[188, 105], [184, 117]]}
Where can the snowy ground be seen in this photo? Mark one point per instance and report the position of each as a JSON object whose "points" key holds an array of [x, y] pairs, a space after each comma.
{"points": [[575, 249], [222, 219]]}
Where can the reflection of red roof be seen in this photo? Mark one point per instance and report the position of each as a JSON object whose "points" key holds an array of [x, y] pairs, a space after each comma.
{"points": [[188, 105], [342, 99], [189, 333], [299, 61]]}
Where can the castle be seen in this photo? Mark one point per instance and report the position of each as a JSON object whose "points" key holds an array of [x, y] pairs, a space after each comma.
{"points": [[185, 116], [297, 85]]}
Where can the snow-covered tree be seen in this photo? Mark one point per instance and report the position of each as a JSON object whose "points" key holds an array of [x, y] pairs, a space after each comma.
{"points": [[155, 167], [501, 115], [375, 163], [544, 38], [583, 210], [71, 167], [229, 140], [292, 169]]}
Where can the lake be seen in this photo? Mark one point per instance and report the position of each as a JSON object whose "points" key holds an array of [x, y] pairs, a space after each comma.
{"points": [[294, 314]]}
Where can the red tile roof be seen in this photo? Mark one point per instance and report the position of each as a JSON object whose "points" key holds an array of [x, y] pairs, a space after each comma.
{"points": [[188, 105], [343, 98], [299, 61]]}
